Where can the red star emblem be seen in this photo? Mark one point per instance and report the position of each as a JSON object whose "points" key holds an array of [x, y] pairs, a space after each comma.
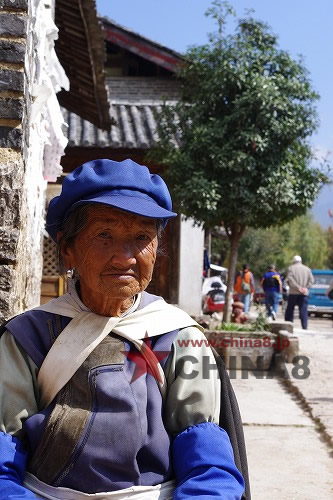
{"points": [[141, 365]]}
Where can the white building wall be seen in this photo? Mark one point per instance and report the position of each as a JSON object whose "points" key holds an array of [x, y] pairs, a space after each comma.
{"points": [[191, 247], [43, 146]]}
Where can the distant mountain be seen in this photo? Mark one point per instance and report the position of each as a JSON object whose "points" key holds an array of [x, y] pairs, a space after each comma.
{"points": [[323, 204]]}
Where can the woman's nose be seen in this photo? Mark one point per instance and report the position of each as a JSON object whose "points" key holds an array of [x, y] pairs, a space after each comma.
{"points": [[123, 254]]}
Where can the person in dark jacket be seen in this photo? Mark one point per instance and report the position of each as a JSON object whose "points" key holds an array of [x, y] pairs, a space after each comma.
{"points": [[271, 283]]}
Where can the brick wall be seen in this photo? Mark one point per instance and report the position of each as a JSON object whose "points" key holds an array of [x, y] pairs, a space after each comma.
{"points": [[142, 89]]}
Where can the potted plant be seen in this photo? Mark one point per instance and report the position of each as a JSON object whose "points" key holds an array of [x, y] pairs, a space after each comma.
{"points": [[245, 346]]}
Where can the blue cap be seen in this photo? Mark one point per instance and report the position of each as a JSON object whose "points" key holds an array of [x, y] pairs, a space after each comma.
{"points": [[125, 185]]}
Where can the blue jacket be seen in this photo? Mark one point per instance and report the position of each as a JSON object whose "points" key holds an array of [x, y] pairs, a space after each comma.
{"points": [[271, 281]]}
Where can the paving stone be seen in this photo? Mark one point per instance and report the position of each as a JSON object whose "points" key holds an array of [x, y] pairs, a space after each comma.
{"points": [[265, 402], [316, 345], [288, 345], [288, 463], [286, 454], [281, 325]]}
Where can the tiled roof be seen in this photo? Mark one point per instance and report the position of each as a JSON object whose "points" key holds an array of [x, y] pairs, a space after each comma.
{"points": [[134, 106], [135, 128]]}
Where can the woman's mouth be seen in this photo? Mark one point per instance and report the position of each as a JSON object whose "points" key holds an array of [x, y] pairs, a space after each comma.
{"points": [[120, 275]]}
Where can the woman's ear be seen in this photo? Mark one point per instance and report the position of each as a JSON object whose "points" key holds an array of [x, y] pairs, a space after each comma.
{"points": [[65, 251]]}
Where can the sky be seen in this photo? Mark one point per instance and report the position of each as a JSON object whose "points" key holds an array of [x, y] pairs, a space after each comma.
{"points": [[303, 27]]}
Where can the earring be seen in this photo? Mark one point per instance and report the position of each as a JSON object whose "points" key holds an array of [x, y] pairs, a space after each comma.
{"points": [[70, 273]]}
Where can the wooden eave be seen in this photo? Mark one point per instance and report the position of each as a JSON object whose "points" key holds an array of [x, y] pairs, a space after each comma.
{"points": [[81, 51], [137, 44]]}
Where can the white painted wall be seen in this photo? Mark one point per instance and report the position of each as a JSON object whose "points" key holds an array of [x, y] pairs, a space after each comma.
{"points": [[43, 145], [191, 247]]}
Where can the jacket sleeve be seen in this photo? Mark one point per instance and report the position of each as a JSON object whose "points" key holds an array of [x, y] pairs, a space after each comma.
{"points": [[18, 391], [202, 453], [204, 465], [13, 458], [311, 280], [291, 280]]}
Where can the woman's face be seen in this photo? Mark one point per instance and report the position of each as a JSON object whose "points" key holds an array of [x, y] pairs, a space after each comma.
{"points": [[114, 254]]}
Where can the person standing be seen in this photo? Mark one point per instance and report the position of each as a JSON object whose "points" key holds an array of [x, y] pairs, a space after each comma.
{"points": [[272, 285], [299, 279], [244, 286]]}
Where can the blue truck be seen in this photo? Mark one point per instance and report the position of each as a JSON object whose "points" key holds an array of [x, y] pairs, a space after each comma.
{"points": [[319, 303]]}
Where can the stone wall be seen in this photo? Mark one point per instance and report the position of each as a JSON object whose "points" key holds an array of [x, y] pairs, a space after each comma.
{"points": [[25, 134], [13, 26]]}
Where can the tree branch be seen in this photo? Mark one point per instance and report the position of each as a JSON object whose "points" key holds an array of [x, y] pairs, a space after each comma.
{"points": [[227, 231]]}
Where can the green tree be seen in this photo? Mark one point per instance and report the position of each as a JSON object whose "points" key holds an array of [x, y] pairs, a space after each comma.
{"points": [[302, 236], [308, 239], [259, 248], [329, 236], [244, 118]]}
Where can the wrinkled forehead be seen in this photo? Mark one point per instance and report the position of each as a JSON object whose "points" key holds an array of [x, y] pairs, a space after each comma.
{"points": [[100, 213]]}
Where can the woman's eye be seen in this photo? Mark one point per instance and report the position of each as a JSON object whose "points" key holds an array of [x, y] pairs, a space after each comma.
{"points": [[143, 237], [104, 234]]}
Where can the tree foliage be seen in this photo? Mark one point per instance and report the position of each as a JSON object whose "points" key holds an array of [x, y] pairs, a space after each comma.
{"points": [[246, 112], [302, 236], [330, 241], [330, 248]]}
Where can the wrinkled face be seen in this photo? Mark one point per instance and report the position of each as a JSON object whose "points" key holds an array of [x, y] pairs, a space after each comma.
{"points": [[114, 254]]}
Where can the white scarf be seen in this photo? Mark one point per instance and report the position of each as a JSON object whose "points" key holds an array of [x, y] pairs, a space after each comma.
{"points": [[87, 330], [159, 492]]}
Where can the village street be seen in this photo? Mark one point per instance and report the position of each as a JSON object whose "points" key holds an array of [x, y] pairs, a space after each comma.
{"points": [[317, 344], [288, 424]]}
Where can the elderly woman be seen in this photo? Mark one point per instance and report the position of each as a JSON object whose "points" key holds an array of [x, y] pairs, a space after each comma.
{"points": [[98, 395]]}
